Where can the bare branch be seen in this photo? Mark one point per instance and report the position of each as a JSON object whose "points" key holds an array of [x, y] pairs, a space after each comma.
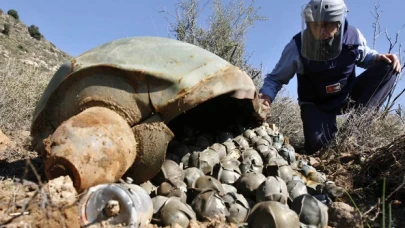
{"points": [[396, 98], [233, 52], [255, 75], [225, 35], [378, 210], [401, 60], [372, 208], [390, 40], [376, 24], [399, 187], [392, 44]]}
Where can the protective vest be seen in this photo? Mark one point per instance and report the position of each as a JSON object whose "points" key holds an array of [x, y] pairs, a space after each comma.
{"points": [[327, 84]]}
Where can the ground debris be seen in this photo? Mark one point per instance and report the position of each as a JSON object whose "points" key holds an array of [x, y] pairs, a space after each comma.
{"points": [[61, 191], [343, 215]]}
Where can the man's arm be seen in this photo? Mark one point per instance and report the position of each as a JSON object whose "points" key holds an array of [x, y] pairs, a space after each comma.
{"points": [[282, 73], [368, 56]]}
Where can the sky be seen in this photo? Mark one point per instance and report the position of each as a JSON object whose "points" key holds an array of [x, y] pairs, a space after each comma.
{"points": [[76, 26]]}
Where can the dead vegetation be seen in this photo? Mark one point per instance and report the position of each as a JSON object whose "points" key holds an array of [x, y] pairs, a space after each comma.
{"points": [[285, 112], [223, 32], [363, 130], [367, 150], [21, 87], [392, 166], [28, 204]]}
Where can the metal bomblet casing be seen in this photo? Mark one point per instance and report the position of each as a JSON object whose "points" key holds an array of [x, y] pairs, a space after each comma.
{"points": [[118, 203]]}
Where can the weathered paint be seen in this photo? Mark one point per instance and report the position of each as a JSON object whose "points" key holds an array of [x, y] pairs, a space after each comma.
{"points": [[94, 147], [138, 78], [169, 69]]}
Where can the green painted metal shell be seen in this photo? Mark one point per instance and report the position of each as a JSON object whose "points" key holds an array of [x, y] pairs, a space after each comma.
{"points": [[138, 77]]}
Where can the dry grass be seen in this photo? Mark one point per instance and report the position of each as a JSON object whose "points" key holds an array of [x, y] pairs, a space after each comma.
{"points": [[21, 86], [364, 130], [27, 204], [394, 164], [285, 113]]}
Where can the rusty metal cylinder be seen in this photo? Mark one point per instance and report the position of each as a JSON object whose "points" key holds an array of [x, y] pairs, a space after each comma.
{"points": [[94, 147]]}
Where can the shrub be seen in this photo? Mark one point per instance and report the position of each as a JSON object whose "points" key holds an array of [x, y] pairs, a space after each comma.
{"points": [[21, 87], [22, 48], [14, 14], [285, 113], [34, 32], [365, 129], [226, 30], [6, 29], [359, 131]]}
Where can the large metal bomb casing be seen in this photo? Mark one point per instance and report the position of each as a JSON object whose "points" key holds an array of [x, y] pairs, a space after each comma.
{"points": [[145, 80]]}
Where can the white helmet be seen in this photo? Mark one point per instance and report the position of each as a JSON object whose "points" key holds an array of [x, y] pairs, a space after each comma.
{"points": [[322, 42], [325, 10]]}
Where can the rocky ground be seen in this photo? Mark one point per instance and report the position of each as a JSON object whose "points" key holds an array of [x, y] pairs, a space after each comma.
{"points": [[29, 200]]}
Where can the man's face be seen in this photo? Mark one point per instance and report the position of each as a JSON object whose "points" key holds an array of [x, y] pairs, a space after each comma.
{"points": [[323, 30]]}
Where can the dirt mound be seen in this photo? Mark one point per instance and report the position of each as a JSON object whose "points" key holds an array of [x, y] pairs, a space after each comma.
{"points": [[25, 203]]}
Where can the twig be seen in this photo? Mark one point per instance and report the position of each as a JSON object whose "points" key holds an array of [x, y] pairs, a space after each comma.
{"points": [[233, 52], [23, 209], [14, 193], [20, 213], [372, 208], [397, 189], [392, 45], [395, 99], [378, 210], [257, 74], [376, 24], [34, 170], [391, 92]]}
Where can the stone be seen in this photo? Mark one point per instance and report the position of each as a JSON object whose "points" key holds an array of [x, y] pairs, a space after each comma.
{"points": [[61, 191], [5, 143], [343, 215]]}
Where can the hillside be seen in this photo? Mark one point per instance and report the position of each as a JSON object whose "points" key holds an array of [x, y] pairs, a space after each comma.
{"points": [[18, 44], [27, 61]]}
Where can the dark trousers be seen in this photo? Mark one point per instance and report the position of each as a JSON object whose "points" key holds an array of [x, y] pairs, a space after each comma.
{"points": [[370, 90]]}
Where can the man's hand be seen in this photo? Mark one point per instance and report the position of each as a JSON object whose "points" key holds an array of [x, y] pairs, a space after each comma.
{"points": [[390, 58], [265, 102]]}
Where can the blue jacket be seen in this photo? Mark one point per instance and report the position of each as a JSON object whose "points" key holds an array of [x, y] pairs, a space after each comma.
{"points": [[291, 63]]}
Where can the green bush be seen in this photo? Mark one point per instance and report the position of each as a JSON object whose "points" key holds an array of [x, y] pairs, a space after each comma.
{"points": [[13, 13], [22, 48], [6, 29], [34, 32]]}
